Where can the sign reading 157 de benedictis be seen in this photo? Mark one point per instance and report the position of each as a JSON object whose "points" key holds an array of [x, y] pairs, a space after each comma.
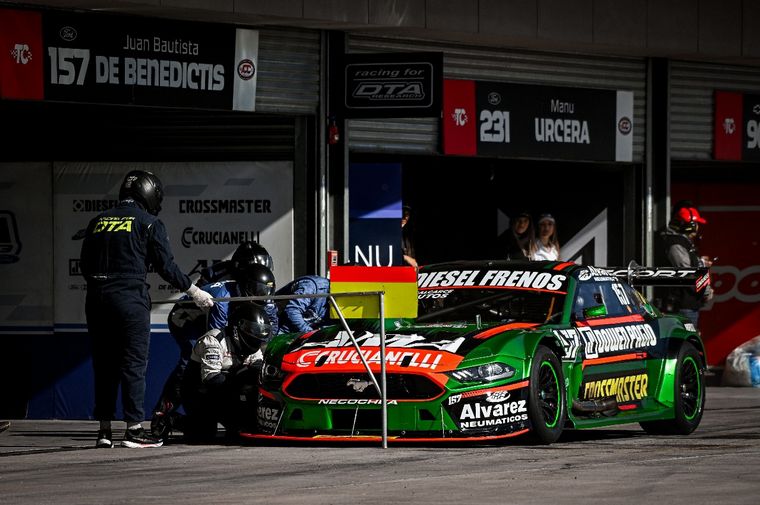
{"points": [[131, 60]]}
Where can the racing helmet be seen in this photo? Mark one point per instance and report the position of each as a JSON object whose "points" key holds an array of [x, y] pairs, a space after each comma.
{"points": [[249, 326], [145, 188], [254, 279], [251, 252]]}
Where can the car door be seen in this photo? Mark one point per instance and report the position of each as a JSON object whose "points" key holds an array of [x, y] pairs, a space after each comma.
{"points": [[614, 337]]}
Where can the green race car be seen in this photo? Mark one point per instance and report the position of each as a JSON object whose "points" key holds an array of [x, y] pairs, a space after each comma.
{"points": [[499, 349]]}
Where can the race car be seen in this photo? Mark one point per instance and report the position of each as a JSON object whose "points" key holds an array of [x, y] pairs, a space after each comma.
{"points": [[499, 349]]}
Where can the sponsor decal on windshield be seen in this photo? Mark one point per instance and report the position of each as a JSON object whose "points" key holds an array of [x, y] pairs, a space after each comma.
{"points": [[519, 279]]}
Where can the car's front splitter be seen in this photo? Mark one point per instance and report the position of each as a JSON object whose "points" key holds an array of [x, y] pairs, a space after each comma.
{"points": [[374, 438]]}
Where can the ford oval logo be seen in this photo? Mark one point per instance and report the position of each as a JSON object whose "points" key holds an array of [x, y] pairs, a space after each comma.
{"points": [[494, 98], [68, 33]]}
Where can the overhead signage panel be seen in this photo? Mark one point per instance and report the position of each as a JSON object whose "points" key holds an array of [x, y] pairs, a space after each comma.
{"points": [[736, 129], [392, 85], [548, 122], [132, 60]]}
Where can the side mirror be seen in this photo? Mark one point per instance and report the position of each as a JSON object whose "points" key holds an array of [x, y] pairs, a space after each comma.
{"points": [[595, 311]]}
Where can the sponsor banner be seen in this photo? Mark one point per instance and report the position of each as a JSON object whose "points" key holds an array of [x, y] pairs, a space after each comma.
{"points": [[206, 221], [26, 247], [375, 214], [392, 85], [134, 60], [21, 55], [525, 121], [493, 411], [594, 342], [398, 283], [626, 387], [507, 279], [730, 236]]}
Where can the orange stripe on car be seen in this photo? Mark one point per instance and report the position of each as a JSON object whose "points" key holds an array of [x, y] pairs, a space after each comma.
{"points": [[504, 327], [615, 359]]}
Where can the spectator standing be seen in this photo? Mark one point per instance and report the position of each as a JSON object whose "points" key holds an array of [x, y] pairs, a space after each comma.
{"points": [[304, 314], [407, 237], [547, 243], [519, 241], [677, 248], [119, 246]]}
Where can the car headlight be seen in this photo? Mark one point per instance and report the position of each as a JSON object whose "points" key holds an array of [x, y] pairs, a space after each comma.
{"points": [[270, 373], [484, 373]]}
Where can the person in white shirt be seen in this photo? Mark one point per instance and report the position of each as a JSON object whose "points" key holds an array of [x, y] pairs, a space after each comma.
{"points": [[547, 244]]}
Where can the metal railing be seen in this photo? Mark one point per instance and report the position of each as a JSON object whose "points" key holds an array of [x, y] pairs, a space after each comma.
{"points": [[381, 388]]}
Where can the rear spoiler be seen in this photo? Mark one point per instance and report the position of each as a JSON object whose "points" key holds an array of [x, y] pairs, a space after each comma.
{"points": [[698, 278]]}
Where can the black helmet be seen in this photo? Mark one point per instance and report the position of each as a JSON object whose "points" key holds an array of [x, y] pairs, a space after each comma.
{"points": [[249, 326], [145, 188], [251, 252], [254, 280]]}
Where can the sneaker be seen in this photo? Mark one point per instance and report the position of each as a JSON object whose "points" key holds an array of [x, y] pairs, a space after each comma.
{"points": [[160, 425], [140, 438], [105, 440]]}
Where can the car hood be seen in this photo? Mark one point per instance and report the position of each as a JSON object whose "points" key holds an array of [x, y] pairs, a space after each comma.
{"points": [[428, 347]]}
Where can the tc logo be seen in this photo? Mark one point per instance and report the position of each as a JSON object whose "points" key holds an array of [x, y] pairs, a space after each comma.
{"points": [[729, 126], [21, 54], [460, 117]]}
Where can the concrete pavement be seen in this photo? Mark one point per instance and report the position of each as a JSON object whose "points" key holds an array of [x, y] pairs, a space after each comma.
{"points": [[55, 462]]}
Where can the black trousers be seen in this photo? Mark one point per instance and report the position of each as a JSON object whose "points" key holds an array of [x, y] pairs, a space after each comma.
{"points": [[118, 319]]}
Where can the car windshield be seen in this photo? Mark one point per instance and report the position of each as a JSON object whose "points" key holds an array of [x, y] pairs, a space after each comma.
{"points": [[492, 305]]}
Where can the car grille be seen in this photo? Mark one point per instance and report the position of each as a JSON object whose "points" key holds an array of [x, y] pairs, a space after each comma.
{"points": [[357, 385]]}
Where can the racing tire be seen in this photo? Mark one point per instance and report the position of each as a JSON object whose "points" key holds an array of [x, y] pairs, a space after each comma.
{"points": [[689, 396], [547, 410]]}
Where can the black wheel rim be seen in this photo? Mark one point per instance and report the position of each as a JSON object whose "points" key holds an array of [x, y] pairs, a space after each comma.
{"points": [[548, 394], [690, 388]]}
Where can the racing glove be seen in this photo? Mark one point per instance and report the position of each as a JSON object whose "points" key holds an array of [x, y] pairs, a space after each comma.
{"points": [[200, 297]]}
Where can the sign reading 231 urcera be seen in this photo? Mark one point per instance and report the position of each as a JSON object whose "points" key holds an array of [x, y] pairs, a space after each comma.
{"points": [[547, 122]]}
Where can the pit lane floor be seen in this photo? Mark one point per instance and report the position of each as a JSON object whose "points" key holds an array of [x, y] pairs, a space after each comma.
{"points": [[55, 462]]}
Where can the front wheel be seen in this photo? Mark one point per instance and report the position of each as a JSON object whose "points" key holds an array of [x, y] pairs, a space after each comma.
{"points": [[689, 396], [546, 398]]}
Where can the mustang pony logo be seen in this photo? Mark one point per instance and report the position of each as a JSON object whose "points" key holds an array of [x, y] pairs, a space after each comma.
{"points": [[358, 385]]}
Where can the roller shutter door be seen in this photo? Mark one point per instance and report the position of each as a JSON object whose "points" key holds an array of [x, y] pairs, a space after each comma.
{"points": [[421, 136]]}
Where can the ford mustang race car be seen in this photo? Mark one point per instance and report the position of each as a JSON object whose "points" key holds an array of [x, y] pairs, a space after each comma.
{"points": [[499, 349]]}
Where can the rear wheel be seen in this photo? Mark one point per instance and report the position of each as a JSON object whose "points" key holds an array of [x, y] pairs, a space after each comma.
{"points": [[546, 401], [689, 396]]}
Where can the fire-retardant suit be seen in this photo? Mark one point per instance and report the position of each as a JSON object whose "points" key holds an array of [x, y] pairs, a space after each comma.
{"points": [[119, 246], [187, 323], [222, 371]]}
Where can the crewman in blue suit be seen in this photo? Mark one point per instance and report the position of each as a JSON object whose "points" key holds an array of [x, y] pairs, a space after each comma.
{"points": [[304, 314], [119, 246]]}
